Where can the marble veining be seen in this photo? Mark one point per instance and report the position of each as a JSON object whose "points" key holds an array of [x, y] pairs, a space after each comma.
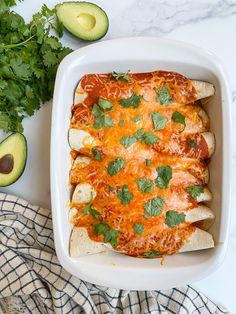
{"points": [[154, 17]]}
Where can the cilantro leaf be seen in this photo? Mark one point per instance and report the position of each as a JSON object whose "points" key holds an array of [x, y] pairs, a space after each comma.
{"points": [[163, 96], [121, 123], [124, 195], [191, 143], [96, 111], [127, 141], [195, 190], [136, 118], [140, 135], [21, 69], [109, 234], [178, 118], [138, 228], [164, 177], [90, 210], [104, 104], [53, 42], [145, 185], [121, 76], [158, 120], [148, 162], [148, 137], [103, 122], [49, 59], [154, 207], [173, 218], [151, 254], [100, 228], [96, 153], [132, 102], [115, 166]]}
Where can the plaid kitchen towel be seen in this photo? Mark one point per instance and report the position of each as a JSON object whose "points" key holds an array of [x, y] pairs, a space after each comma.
{"points": [[33, 281]]}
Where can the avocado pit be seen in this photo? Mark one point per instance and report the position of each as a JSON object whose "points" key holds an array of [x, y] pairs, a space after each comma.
{"points": [[6, 164], [86, 21]]}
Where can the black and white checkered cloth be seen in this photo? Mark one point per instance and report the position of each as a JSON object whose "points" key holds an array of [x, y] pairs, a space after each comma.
{"points": [[33, 281]]}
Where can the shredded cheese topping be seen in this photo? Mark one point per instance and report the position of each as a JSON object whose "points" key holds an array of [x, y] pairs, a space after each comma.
{"points": [[143, 127]]}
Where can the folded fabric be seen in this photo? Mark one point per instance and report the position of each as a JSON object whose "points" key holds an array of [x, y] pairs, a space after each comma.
{"points": [[33, 281]]}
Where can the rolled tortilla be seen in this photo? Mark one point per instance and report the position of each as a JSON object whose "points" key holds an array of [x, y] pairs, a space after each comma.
{"points": [[81, 244], [204, 116], [206, 176], [199, 240], [79, 95], [206, 196], [203, 89], [210, 141], [80, 139], [199, 213], [83, 193], [81, 161]]}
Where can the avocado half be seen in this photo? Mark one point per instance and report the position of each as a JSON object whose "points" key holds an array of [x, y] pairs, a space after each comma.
{"points": [[13, 155], [85, 20]]}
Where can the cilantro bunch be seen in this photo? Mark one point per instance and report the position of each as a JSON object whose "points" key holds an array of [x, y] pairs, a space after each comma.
{"points": [[29, 57]]}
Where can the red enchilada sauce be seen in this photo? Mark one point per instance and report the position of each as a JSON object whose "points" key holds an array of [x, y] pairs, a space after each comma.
{"points": [[143, 164]]}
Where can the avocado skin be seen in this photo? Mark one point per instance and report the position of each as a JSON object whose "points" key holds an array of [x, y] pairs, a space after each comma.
{"points": [[21, 168], [80, 36]]}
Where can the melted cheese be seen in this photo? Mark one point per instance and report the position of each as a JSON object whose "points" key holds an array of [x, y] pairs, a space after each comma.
{"points": [[172, 149]]}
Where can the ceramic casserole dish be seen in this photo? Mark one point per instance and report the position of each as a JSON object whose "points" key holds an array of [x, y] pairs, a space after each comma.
{"points": [[141, 55]]}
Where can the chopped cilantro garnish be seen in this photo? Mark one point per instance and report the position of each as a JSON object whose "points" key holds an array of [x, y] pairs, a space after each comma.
{"points": [[163, 96], [151, 254], [138, 228], [140, 135], [127, 141], [124, 195], [104, 104], [173, 218], [90, 210], [158, 120], [195, 190], [164, 176], [103, 122], [96, 111], [148, 162], [96, 153], [132, 102], [145, 185], [191, 143], [136, 118], [121, 76], [115, 166], [110, 235], [121, 123], [178, 118], [153, 207], [148, 137]]}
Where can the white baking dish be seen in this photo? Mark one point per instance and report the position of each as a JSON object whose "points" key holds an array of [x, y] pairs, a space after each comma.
{"points": [[141, 55]]}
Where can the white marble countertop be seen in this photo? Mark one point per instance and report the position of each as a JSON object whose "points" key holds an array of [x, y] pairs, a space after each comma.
{"points": [[207, 23]]}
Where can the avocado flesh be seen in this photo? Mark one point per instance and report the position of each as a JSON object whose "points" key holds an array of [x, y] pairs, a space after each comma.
{"points": [[13, 154], [85, 20]]}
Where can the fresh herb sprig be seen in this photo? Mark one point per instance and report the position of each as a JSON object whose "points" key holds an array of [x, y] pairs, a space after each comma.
{"points": [[29, 57]]}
